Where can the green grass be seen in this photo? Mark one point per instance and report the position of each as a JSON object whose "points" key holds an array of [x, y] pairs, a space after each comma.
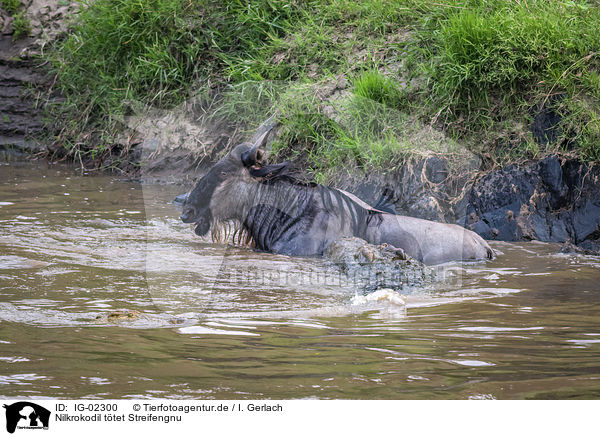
{"points": [[21, 26], [155, 52], [488, 65], [10, 6], [372, 85], [474, 69], [328, 138]]}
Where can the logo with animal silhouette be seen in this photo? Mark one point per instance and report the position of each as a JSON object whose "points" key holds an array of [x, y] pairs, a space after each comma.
{"points": [[26, 415]]}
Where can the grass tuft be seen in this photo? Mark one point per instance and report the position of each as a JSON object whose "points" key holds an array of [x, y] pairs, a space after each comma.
{"points": [[21, 26], [374, 86], [10, 6]]}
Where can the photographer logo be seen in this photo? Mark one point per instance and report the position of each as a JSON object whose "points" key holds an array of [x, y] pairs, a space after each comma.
{"points": [[26, 415]]}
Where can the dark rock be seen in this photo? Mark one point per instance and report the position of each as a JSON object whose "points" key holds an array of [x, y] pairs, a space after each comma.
{"points": [[24, 83], [427, 207], [586, 247], [590, 247], [586, 218], [548, 200], [436, 169], [419, 188], [546, 123], [558, 229], [496, 200], [552, 176]]}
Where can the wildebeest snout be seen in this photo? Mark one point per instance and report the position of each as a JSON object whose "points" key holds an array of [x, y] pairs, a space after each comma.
{"points": [[188, 215]]}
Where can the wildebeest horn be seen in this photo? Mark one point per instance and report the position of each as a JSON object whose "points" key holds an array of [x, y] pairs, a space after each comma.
{"points": [[180, 199], [253, 155], [269, 170]]}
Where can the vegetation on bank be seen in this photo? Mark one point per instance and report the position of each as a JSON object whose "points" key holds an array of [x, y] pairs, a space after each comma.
{"points": [[10, 6], [21, 24], [477, 70]]}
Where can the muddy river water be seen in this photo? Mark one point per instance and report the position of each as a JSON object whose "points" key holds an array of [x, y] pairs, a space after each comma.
{"points": [[217, 321]]}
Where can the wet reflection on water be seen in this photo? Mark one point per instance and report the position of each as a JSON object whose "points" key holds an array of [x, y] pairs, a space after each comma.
{"points": [[218, 321]]}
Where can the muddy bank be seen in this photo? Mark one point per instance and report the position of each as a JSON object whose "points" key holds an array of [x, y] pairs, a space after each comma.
{"points": [[24, 83], [21, 117]]}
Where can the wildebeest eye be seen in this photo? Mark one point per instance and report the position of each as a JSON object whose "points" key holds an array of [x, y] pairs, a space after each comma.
{"points": [[224, 173]]}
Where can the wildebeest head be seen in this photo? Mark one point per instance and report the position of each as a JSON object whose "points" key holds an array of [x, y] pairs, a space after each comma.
{"points": [[219, 194]]}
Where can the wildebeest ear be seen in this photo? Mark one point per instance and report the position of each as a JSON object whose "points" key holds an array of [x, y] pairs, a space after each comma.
{"points": [[251, 157], [268, 170], [255, 154]]}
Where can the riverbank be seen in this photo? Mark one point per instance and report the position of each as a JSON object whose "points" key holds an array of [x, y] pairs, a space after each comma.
{"points": [[509, 81], [359, 97], [27, 29]]}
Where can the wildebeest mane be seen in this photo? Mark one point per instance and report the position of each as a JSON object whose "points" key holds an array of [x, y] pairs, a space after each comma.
{"points": [[359, 215], [292, 180], [288, 178], [230, 232]]}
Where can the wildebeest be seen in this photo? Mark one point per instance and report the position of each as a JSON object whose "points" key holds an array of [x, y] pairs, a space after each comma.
{"points": [[284, 215]]}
